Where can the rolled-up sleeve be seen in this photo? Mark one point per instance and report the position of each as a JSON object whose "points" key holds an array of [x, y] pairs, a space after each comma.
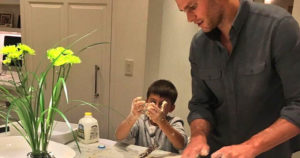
{"points": [[286, 53], [202, 97]]}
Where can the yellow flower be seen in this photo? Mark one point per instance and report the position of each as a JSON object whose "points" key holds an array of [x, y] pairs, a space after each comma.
{"points": [[62, 56], [6, 61], [26, 49], [16, 52], [60, 61], [52, 54], [73, 59], [9, 49], [68, 52], [15, 55]]}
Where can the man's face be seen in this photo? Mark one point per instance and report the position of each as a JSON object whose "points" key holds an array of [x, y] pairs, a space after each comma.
{"points": [[207, 14]]}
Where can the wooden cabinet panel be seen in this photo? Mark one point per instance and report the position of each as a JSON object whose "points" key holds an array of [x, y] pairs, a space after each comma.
{"points": [[46, 22]]}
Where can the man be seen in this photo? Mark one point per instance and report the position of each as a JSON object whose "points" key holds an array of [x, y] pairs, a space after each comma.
{"points": [[245, 67]]}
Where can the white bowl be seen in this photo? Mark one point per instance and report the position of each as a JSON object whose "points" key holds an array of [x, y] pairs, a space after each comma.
{"points": [[61, 132], [17, 147]]}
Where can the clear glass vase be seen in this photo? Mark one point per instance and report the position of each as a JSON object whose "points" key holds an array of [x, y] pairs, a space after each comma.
{"points": [[40, 155]]}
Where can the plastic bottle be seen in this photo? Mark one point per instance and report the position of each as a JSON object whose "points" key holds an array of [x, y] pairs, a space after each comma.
{"points": [[88, 129]]}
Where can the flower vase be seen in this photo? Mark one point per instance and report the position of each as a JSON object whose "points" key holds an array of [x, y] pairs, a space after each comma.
{"points": [[39, 155]]}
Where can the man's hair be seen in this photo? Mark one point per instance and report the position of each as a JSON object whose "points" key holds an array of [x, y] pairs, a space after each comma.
{"points": [[163, 88]]}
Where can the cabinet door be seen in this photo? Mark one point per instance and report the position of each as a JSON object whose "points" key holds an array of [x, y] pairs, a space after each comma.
{"points": [[46, 22]]}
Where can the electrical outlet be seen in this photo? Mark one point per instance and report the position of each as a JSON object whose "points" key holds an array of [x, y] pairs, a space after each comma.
{"points": [[129, 64]]}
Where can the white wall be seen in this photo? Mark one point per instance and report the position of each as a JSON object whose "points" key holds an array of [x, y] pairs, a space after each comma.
{"points": [[152, 64], [175, 37], [129, 24]]}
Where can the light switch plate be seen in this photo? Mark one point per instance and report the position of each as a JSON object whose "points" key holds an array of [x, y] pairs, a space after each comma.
{"points": [[129, 64]]}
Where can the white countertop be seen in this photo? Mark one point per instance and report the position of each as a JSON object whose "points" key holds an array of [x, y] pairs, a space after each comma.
{"points": [[115, 149]]}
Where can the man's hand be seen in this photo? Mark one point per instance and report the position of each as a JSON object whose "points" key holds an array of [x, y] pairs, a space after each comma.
{"points": [[197, 147], [137, 107], [234, 151]]}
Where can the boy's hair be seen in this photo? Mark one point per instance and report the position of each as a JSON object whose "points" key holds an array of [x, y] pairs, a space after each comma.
{"points": [[163, 88]]}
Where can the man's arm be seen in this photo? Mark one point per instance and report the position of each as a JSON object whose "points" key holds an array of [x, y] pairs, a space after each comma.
{"points": [[200, 117], [279, 132], [198, 145]]}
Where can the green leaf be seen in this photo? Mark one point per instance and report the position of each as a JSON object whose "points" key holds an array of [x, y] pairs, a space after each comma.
{"points": [[69, 126]]}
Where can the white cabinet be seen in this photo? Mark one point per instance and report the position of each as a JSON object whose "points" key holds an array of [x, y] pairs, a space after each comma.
{"points": [[46, 22]]}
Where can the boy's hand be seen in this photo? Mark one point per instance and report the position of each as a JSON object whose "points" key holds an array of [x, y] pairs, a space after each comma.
{"points": [[137, 107], [154, 113]]}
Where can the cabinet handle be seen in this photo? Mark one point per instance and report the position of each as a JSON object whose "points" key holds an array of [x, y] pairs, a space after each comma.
{"points": [[97, 68]]}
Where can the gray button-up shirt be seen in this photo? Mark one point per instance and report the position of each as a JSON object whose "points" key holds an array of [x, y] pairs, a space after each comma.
{"points": [[245, 92]]}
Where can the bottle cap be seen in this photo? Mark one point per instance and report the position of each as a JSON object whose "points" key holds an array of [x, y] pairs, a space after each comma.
{"points": [[101, 146], [88, 114]]}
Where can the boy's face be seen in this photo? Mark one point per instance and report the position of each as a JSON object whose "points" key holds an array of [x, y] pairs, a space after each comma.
{"points": [[157, 100]]}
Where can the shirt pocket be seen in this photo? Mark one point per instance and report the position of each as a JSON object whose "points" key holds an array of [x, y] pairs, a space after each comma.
{"points": [[209, 74], [212, 78], [252, 69]]}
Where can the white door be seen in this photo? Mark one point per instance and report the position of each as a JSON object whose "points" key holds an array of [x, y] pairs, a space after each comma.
{"points": [[45, 22]]}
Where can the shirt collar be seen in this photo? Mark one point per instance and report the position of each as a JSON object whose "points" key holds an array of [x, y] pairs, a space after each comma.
{"points": [[242, 15], [239, 20]]}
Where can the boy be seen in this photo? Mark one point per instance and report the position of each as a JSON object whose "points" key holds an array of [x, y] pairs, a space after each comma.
{"points": [[154, 125]]}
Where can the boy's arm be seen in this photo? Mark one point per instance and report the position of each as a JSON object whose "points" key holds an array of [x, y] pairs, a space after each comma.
{"points": [[157, 116], [124, 128], [174, 136]]}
